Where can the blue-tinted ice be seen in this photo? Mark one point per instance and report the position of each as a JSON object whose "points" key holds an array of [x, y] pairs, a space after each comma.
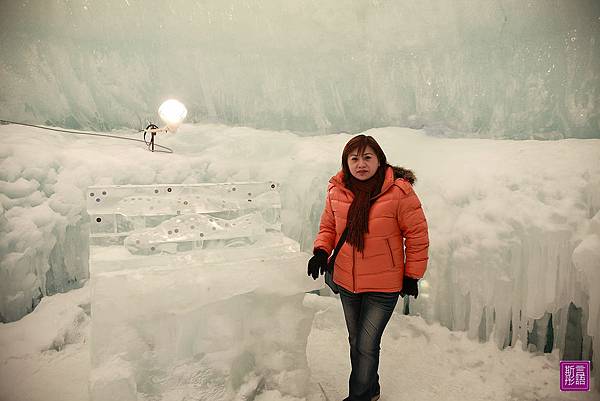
{"points": [[196, 294]]}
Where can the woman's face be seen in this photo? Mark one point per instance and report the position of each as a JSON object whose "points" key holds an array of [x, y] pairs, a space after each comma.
{"points": [[363, 166]]}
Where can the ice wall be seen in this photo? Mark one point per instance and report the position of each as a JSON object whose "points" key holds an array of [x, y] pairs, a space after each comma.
{"points": [[513, 224], [43, 249], [460, 68]]}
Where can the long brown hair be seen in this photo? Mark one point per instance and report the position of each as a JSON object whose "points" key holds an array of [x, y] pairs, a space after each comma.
{"points": [[358, 213]]}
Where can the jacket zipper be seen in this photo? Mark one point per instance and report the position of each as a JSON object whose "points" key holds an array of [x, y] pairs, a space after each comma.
{"points": [[354, 251], [391, 253], [353, 271]]}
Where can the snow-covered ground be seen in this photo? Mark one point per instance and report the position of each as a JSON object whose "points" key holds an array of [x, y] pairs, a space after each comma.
{"points": [[45, 357], [514, 229]]}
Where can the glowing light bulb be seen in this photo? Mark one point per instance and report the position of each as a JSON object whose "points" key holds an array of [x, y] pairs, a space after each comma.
{"points": [[172, 112]]}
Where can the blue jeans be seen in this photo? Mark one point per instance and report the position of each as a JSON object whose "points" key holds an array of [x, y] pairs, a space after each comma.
{"points": [[366, 316]]}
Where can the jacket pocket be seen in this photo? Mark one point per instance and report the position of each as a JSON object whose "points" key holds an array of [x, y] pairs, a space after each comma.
{"points": [[387, 241]]}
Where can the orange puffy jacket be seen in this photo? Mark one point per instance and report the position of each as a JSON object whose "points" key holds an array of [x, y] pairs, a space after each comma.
{"points": [[396, 220]]}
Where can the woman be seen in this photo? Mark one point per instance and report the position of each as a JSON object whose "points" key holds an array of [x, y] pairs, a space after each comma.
{"points": [[383, 214]]}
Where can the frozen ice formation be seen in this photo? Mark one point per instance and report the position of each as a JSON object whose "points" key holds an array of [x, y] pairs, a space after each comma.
{"points": [[220, 319], [193, 230], [513, 224], [515, 69], [163, 218]]}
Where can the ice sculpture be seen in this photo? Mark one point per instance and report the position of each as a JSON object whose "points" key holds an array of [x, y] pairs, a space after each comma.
{"points": [[122, 211], [192, 231], [196, 294]]}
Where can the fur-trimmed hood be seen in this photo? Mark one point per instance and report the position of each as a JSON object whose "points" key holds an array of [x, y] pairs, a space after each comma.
{"points": [[401, 172]]}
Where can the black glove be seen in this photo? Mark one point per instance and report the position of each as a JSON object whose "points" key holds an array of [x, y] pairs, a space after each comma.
{"points": [[409, 287], [318, 263]]}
